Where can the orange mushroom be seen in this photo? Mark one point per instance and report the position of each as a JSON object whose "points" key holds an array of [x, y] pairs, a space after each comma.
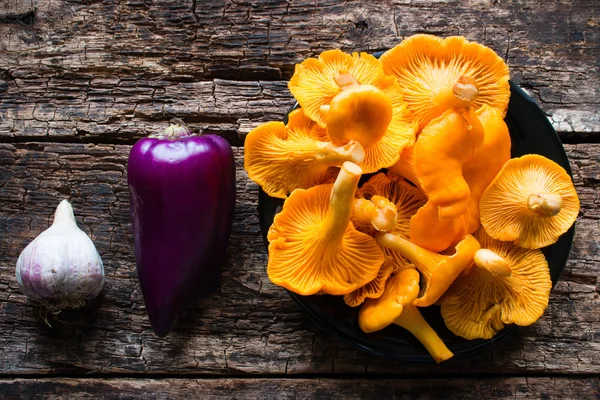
{"points": [[427, 228], [443, 147], [532, 201], [281, 158], [395, 306], [442, 150], [407, 200], [427, 68], [505, 285], [439, 271], [386, 203], [352, 97], [313, 245]]}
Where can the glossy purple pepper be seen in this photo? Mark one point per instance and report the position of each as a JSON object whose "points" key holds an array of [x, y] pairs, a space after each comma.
{"points": [[182, 194]]}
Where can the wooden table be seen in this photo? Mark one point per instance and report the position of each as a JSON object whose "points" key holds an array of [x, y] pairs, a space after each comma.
{"points": [[80, 81]]}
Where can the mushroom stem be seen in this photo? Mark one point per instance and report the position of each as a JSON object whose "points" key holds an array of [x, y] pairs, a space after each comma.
{"points": [[488, 314], [378, 211], [460, 95], [425, 260], [341, 202], [545, 204], [335, 155], [345, 80], [412, 320], [465, 89], [439, 271], [492, 262]]}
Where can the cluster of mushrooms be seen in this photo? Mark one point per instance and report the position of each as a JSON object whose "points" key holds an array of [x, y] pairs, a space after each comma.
{"points": [[446, 217]]}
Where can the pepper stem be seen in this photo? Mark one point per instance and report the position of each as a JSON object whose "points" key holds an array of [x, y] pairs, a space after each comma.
{"points": [[545, 204], [492, 262], [378, 211], [412, 320], [341, 202], [345, 80], [175, 132]]}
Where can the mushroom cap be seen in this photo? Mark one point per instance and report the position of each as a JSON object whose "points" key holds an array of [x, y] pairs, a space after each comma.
{"points": [[362, 113], [400, 290], [478, 304], [483, 167], [504, 210], [314, 87], [425, 64], [302, 259], [282, 158]]}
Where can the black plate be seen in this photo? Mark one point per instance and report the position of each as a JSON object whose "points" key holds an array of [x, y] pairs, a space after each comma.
{"points": [[530, 132]]}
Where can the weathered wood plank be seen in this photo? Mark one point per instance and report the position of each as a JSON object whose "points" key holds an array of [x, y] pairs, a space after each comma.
{"points": [[132, 63], [249, 325], [314, 389]]}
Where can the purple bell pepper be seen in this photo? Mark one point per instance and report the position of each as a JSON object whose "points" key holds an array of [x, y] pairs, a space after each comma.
{"points": [[182, 194]]}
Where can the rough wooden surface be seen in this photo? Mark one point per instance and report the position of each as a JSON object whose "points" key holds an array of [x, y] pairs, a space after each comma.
{"points": [[106, 71], [250, 326], [81, 80], [313, 389]]}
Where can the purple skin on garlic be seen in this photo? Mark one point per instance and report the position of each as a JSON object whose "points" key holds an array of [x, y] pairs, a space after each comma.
{"points": [[61, 267]]}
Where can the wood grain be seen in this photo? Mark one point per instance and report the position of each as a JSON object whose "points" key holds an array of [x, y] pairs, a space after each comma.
{"points": [[249, 325], [321, 389], [108, 71]]}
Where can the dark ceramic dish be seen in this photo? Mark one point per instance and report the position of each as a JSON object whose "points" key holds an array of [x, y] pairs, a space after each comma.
{"points": [[530, 132]]}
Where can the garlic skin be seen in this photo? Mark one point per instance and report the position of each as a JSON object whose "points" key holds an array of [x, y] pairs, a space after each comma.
{"points": [[61, 267]]}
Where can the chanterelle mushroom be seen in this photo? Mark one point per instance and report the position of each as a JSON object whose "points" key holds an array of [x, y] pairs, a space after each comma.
{"points": [[355, 100], [532, 201], [282, 158], [444, 146], [439, 271], [395, 307], [427, 67], [391, 202], [442, 150], [313, 245], [506, 284]]}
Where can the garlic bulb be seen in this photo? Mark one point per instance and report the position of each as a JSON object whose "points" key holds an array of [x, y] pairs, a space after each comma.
{"points": [[61, 267]]}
